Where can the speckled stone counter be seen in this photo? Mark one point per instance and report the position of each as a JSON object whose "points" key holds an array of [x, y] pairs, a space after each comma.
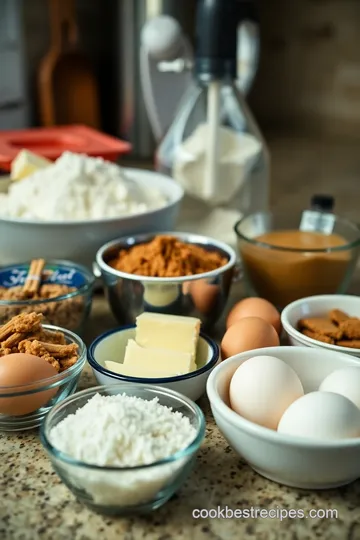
{"points": [[34, 504]]}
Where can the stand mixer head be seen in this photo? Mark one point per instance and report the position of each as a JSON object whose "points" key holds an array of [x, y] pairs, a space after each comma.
{"points": [[167, 60], [213, 146]]}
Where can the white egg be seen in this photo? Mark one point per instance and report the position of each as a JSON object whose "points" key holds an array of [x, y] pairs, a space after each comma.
{"points": [[262, 388], [321, 415], [345, 381]]}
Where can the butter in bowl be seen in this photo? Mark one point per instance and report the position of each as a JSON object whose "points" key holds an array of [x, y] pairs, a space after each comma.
{"points": [[163, 350]]}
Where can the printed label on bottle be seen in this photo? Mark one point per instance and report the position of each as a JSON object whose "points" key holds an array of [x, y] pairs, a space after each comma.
{"points": [[312, 221]]}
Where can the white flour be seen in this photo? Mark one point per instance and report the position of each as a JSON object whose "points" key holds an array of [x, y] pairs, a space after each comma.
{"points": [[77, 187], [123, 431], [238, 153]]}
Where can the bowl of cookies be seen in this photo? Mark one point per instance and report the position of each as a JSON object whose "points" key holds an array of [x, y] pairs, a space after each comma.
{"points": [[40, 365], [327, 321], [60, 290]]}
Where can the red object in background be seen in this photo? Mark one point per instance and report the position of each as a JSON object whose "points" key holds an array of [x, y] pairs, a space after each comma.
{"points": [[52, 142]]}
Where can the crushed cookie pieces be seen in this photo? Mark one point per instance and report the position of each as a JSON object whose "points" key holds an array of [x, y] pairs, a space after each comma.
{"points": [[24, 334]]}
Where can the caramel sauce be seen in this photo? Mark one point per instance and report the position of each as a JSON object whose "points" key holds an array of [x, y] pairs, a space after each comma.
{"points": [[284, 276]]}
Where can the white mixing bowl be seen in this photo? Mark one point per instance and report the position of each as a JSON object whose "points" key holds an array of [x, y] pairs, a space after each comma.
{"points": [[78, 241], [293, 461]]}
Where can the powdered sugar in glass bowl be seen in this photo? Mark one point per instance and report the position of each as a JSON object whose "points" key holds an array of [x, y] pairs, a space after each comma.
{"points": [[153, 461]]}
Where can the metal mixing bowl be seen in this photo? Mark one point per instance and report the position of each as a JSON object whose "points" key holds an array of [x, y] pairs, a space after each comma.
{"points": [[200, 295]]}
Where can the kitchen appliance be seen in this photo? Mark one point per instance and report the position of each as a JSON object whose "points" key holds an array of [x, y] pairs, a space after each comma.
{"points": [[15, 102], [167, 60], [149, 93], [213, 147]]}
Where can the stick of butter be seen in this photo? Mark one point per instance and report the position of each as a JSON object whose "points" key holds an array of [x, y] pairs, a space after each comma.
{"points": [[154, 360], [172, 332], [130, 370], [27, 163]]}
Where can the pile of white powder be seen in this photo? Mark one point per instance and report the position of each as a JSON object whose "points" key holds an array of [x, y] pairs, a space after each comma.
{"points": [[78, 187], [123, 431]]}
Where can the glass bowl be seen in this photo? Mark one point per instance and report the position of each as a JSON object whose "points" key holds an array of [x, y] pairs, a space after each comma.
{"points": [[55, 388], [69, 311], [125, 490], [285, 274]]}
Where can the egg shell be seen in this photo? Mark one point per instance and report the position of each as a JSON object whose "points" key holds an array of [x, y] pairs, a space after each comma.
{"points": [[262, 388], [345, 381], [17, 370], [204, 295], [322, 416], [255, 307], [248, 334]]}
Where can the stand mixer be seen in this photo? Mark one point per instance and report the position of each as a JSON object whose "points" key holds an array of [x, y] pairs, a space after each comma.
{"points": [[213, 146], [167, 60]]}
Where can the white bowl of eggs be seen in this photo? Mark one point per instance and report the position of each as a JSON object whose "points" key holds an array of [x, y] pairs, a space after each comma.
{"points": [[293, 413]]}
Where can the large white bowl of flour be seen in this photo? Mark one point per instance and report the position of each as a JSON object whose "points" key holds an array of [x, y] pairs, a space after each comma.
{"points": [[69, 210]]}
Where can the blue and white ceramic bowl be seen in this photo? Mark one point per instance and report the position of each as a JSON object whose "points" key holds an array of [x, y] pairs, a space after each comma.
{"points": [[69, 311], [110, 347]]}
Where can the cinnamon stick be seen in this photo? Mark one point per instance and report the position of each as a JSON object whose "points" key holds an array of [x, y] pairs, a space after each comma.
{"points": [[33, 280]]}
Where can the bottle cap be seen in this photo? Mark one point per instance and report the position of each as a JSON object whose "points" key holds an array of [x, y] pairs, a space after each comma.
{"points": [[323, 203]]}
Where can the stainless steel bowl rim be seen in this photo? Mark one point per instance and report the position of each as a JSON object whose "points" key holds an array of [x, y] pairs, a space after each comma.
{"points": [[188, 451], [151, 381], [88, 286], [57, 380], [185, 237], [265, 245]]}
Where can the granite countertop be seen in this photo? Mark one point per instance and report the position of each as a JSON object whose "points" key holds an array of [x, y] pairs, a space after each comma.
{"points": [[35, 504]]}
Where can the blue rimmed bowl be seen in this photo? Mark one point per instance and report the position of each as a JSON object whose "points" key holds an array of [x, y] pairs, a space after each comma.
{"points": [[69, 311], [110, 347]]}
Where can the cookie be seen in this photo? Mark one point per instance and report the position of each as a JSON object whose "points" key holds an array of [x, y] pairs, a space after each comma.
{"points": [[337, 316], [351, 343], [321, 326], [318, 337], [350, 328]]}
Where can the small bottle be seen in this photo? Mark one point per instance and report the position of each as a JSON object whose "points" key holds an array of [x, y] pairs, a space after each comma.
{"points": [[323, 203], [320, 217]]}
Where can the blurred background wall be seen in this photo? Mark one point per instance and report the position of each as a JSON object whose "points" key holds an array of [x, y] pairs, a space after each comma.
{"points": [[309, 75]]}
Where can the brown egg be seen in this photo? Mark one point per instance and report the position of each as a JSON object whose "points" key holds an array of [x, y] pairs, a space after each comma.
{"points": [[255, 307], [20, 369], [204, 295], [248, 334]]}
